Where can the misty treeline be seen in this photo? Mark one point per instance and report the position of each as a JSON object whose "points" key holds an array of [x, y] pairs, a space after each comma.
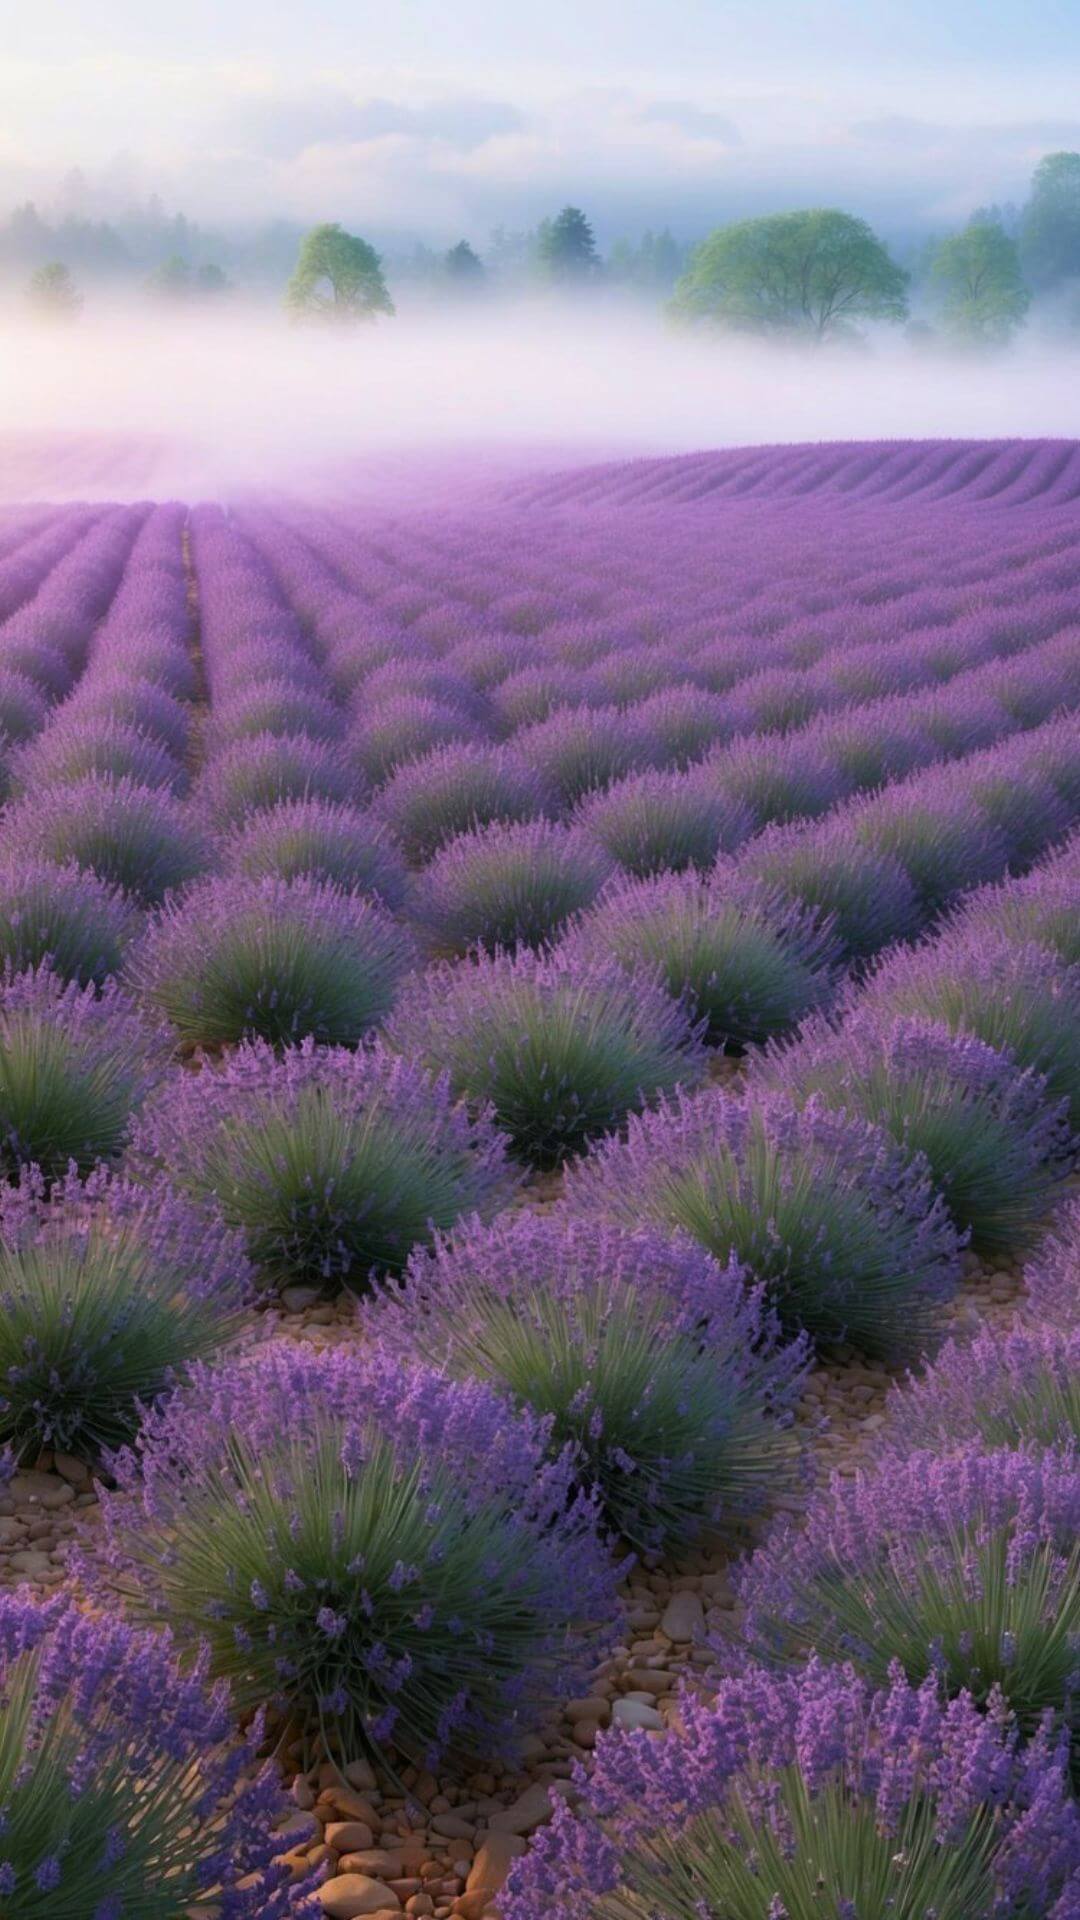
{"points": [[815, 273]]}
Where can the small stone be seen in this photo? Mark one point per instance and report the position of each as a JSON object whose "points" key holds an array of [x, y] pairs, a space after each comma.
{"points": [[69, 1468], [297, 1299], [452, 1826], [493, 1862], [530, 1810], [421, 1904], [584, 1734], [361, 1774], [590, 1708], [351, 1894], [375, 1861], [32, 1564], [349, 1836], [683, 1619], [635, 1713]]}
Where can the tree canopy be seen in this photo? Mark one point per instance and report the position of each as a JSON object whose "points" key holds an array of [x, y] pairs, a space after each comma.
{"points": [[463, 265], [566, 248], [810, 273], [53, 293], [338, 277], [976, 278], [1050, 222]]}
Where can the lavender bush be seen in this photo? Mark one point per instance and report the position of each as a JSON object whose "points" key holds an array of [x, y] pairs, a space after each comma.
{"points": [[994, 1143], [281, 959], [1013, 1388], [385, 1555], [109, 1292], [339, 844], [963, 1567], [745, 964], [656, 822], [1018, 999], [661, 1369], [62, 914], [846, 1234], [506, 886], [1053, 1275], [135, 837], [795, 1796], [75, 1064], [265, 769], [331, 1163], [125, 1788], [558, 1048], [452, 791]]}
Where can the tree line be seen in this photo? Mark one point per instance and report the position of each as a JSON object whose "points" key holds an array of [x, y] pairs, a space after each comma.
{"points": [[812, 273]]}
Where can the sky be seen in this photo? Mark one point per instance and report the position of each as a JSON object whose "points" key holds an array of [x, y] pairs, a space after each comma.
{"points": [[447, 117]]}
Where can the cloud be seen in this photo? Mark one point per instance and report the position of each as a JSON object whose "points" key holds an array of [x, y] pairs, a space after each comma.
{"points": [[283, 126], [700, 123]]}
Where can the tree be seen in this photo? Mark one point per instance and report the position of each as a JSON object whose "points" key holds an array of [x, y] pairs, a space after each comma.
{"points": [[809, 273], [653, 265], [975, 276], [566, 250], [172, 279], [211, 280], [53, 293], [463, 266], [1050, 222], [338, 277]]}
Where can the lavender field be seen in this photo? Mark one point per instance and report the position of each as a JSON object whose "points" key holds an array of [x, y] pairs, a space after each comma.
{"points": [[539, 1236]]}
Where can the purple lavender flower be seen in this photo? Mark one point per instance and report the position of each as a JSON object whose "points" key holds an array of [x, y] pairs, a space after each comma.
{"points": [[448, 1632], [994, 1143], [1053, 1275], [330, 1162], [401, 730], [560, 1049], [506, 886], [119, 1766], [62, 914], [661, 1369], [236, 957], [963, 1567], [75, 1064], [339, 844], [743, 961], [136, 837], [264, 769], [109, 1292], [846, 1233], [794, 1795], [454, 790]]}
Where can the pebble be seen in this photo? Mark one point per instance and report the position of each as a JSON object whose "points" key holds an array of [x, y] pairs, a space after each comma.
{"points": [[530, 1810], [636, 1713], [350, 1894], [683, 1619]]}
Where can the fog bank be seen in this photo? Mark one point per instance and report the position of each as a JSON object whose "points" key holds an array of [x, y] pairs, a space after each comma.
{"points": [[243, 400]]}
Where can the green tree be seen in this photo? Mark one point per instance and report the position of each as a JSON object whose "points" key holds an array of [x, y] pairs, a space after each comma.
{"points": [[338, 277], [172, 279], [811, 273], [566, 249], [1050, 222], [653, 265], [211, 280], [53, 293], [976, 280], [463, 266]]}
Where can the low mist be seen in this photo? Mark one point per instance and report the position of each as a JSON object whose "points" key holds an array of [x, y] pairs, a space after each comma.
{"points": [[225, 404]]}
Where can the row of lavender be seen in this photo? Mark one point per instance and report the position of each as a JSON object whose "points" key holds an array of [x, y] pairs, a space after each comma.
{"points": [[325, 1163], [596, 1343]]}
